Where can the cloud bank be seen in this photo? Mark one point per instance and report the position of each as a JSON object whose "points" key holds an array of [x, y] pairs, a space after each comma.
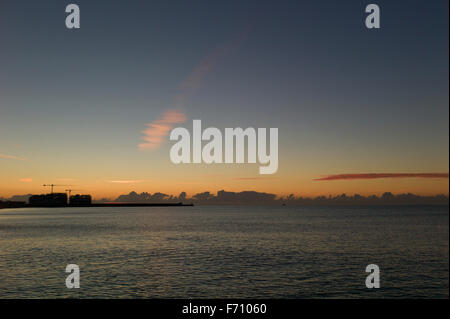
{"points": [[223, 197], [257, 198]]}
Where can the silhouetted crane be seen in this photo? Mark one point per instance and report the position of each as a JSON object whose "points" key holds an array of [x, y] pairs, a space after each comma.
{"points": [[53, 185], [75, 190]]}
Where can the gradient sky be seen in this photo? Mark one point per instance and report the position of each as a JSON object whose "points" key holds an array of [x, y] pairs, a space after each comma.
{"points": [[346, 100]]}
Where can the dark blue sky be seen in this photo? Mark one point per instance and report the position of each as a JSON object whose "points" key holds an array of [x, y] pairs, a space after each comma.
{"points": [[334, 88]]}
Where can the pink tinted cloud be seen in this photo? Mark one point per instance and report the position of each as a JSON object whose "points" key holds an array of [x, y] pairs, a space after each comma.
{"points": [[26, 180], [207, 65], [11, 157], [381, 175], [156, 131], [126, 181], [253, 178], [209, 62]]}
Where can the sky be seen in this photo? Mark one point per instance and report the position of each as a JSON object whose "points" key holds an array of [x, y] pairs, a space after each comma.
{"points": [[76, 106]]}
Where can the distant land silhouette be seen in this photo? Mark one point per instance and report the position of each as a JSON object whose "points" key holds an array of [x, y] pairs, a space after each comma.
{"points": [[257, 198]]}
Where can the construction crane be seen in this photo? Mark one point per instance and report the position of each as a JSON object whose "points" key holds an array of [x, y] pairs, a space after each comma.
{"points": [[53, 185], [72, 190]]}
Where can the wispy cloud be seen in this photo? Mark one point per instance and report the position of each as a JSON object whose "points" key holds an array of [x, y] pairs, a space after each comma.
{"points": [[253, 178], [126, 181], [66, 179], [11, 157], [381, 175], [156, 131], [207, 65], [26, 180]]}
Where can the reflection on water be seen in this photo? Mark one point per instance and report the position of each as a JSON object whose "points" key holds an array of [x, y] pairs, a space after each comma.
{"points": [[219, 252]]}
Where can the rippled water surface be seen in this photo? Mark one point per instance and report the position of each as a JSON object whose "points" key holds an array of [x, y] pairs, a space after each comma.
{"points": [[219, 252]]}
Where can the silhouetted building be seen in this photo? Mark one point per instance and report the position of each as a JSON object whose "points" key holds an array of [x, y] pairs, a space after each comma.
{"points": [[48, 200], [12, 204], [80, 200]]}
